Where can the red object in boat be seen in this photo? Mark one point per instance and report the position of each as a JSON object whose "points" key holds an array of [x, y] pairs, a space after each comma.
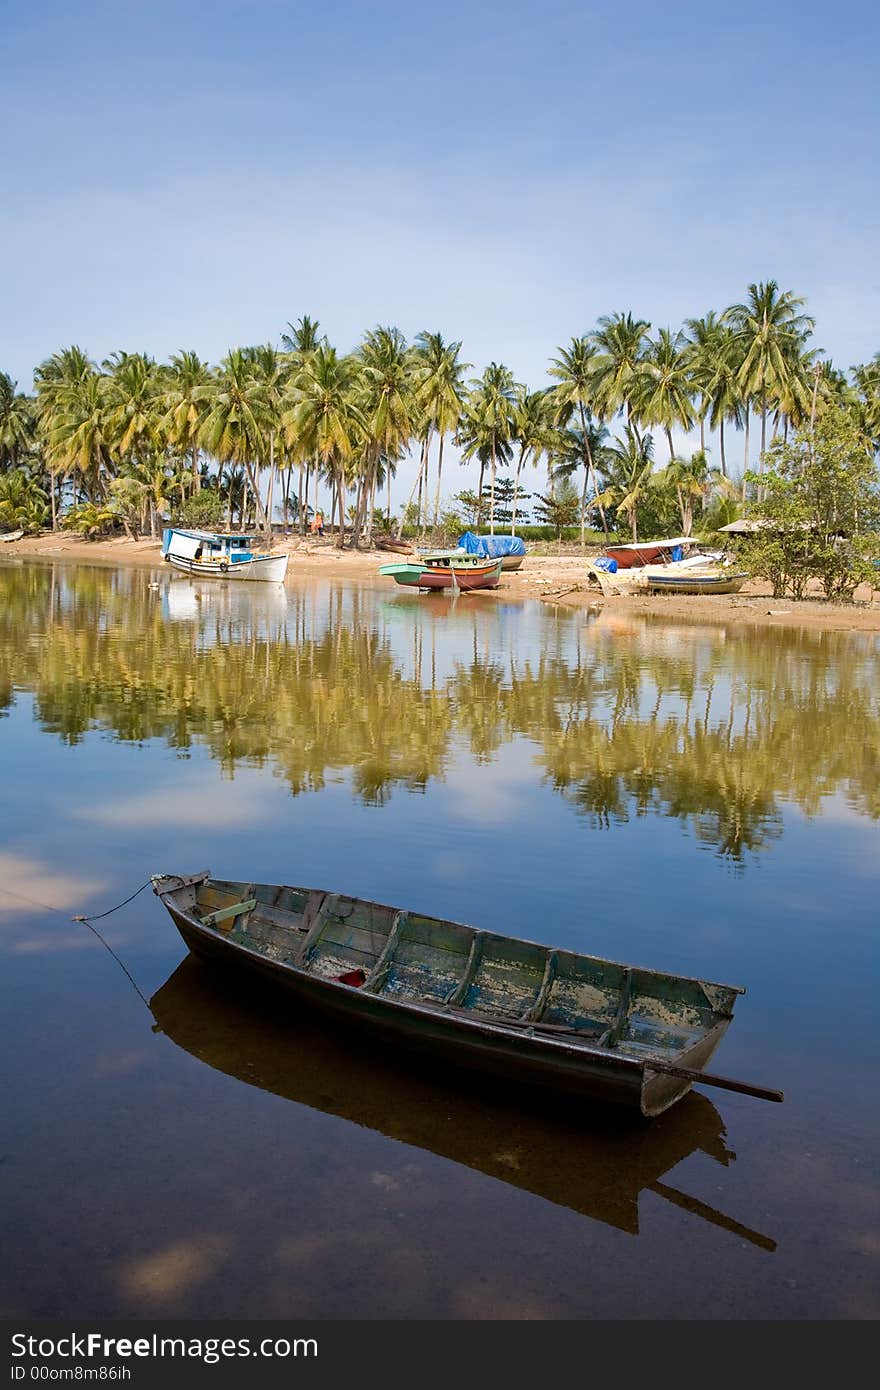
{"points": [[352, 977]]}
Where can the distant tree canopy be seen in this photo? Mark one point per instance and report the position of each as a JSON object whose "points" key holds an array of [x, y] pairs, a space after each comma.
{"points": [[267, 425]]}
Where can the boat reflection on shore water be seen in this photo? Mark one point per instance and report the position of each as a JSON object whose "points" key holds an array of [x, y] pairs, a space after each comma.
{"points": [[596, 1166]]}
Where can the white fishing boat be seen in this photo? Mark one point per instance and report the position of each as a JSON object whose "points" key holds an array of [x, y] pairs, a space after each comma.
{"points": [[221, 555]]}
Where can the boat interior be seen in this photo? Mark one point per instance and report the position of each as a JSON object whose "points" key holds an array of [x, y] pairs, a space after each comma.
{"points": [[416, 960]]}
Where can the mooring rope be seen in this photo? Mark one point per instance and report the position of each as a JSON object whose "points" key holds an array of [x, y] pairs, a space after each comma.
{"points": [[89, 922]]}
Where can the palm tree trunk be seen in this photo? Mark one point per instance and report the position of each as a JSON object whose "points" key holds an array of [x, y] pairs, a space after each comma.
{"points": [[591, 470], [519, 464], [437, 494], [196, 477], [417, 484], [271, 489], [746, 459], [341, 542], [668, 432], [52, 498], [492, 494], [723, 459]]}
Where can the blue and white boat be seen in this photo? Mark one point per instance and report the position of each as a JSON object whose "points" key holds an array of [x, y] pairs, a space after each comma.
{"points": [[221, 555]]}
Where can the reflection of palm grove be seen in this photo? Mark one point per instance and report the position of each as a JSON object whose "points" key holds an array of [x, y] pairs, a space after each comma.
{"points": [[123, 445], [621, 727]]}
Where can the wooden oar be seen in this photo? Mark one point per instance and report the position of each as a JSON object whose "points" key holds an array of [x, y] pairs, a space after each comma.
{"points": [[707, 1213], [705, 1078]]}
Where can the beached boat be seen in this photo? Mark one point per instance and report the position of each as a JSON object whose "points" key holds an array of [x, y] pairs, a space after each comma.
{"points": [[681, 579], [11, 536], [445, 569], [510, 550], [603, 1031], [639, 553], [221, 555]]}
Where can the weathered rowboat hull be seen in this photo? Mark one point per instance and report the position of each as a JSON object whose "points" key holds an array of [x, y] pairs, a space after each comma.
{"points": [[269, 568], [694, 583], [475, 998]]}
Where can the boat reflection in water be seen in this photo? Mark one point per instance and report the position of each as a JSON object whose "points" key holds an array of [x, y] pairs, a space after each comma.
{"points": [[597, 1170]]}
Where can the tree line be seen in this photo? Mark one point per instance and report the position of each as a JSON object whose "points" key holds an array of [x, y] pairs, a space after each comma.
{"points": [[127, 442]]}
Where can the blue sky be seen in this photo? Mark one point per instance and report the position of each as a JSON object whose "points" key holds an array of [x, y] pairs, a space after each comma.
{"points": [[196, 174]]}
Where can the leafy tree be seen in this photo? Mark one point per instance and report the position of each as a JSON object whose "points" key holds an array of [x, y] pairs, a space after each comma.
{"points": [[472, 508], [203, 510], [820, 509], [560, 510]]}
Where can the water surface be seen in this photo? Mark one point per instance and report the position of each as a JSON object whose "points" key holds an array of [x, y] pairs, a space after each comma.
{"points": [[697, 798]]}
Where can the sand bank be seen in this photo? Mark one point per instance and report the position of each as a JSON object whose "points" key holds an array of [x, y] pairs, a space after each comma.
{"points": [[550, 578]]}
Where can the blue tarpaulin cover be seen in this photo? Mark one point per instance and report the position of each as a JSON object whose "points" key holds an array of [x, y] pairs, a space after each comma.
{"points": [[491, 546]]}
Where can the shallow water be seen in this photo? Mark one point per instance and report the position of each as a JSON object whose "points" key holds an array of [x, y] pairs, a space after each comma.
{"points": [[694, 798]]}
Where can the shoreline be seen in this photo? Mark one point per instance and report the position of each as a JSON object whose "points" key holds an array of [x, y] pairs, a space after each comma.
{"points": [[557, 579]]}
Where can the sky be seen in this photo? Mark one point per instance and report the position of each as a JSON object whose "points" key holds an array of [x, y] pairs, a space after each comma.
{"points": [[197, 175]]}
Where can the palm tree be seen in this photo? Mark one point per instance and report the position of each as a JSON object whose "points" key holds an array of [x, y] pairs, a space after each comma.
{"points": [[22, 502], [326, 417], [184, 406], [866, 379], [693, 478], [490, 407], [701, 349], [236, 414], [387, 404], [439, 387], [771, 335], [271, 369], [78, 441], [576, 372], [135, 421], [58, 380], [16, 423], [628, 466], [621, 347], [566, 451], [302, 340], [303, 337], [664, 396], [532, 431], [717, 375]]}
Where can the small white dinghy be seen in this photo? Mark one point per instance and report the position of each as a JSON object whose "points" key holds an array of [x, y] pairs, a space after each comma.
{"points": [[221, 555]]}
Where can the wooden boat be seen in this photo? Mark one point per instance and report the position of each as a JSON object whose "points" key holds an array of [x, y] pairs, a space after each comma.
{"points": [[596, 1170], [641, 553], [398, 547], [692, 580], [445, 569], [603, 1031], [11, 536], [221, 555]]}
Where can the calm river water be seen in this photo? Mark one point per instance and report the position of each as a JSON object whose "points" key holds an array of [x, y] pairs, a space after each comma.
{"points": [[702, 799]]}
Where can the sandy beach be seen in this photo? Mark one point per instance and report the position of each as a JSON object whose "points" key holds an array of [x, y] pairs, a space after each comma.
{"points": [[550, 578]]}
